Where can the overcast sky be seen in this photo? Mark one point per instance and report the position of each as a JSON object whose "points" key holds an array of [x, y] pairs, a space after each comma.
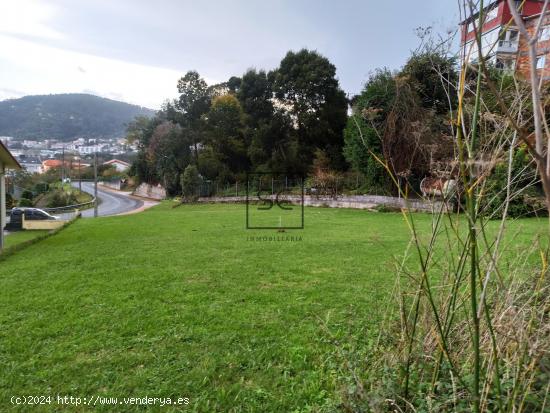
{"points": [[135, 50]]}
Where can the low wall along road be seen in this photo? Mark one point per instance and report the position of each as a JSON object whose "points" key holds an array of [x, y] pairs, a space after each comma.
{"points": [[371, 202]]}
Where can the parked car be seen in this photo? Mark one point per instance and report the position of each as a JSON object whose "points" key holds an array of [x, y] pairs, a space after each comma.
{"points": [[16, 217]]}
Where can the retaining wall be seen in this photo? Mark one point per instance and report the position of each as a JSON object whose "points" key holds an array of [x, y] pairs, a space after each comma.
{"points": [[354, 202], [156, 192], [112, 184]]}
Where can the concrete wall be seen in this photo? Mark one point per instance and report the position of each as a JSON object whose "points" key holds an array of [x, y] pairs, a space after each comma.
{"points": [[43, 224], [112, 184], [156, 192], [354, 202]]}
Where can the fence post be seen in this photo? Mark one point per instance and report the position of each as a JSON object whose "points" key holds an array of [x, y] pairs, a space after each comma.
{"points": [[236, 188]]}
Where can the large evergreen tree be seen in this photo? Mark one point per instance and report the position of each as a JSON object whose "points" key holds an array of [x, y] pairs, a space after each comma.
{"points": [[306, 85]]}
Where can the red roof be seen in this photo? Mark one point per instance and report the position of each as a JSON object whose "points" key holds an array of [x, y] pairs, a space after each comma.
{"points": [[52, 163]]}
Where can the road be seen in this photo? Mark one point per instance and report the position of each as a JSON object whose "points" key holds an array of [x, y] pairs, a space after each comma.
{"points": [[111, 202]]}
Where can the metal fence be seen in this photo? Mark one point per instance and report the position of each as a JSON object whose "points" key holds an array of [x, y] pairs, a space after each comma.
{"points": [[345, 186]]}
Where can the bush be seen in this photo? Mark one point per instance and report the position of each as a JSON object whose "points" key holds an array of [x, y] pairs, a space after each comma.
{"points": [[190, 182], [27, 194], [528, 199], [57, 198], [10, 202], [41, 187], [25, 202]]}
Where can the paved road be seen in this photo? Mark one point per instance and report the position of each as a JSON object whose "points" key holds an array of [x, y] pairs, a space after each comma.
{"points": [[111, 202]]}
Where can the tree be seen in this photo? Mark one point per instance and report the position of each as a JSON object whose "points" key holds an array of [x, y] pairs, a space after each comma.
{"points": [[305, 83], [141, 131], [168, 154], [193, 103], [401, 118], [363, 143], [225, 133], [194, 99], [190, 183], [434, 76], [274, 146], [255, 95], [234, 84]]}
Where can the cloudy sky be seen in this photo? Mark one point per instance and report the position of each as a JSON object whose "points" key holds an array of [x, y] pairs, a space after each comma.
{"points": [[135, 50]]}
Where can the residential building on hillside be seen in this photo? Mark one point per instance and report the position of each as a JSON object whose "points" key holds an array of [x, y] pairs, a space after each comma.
{"points": [[32, 164], [543, 47], [119, 165], [501, 40], [71, 164], [49, 164]]}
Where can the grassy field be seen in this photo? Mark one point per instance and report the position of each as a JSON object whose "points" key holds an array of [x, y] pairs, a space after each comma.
{"points": [[182, 303], [21, 236]]}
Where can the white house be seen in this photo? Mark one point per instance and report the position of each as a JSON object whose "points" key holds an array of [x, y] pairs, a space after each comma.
{"points": [[31, 164], [120, 166], [7, 161]]}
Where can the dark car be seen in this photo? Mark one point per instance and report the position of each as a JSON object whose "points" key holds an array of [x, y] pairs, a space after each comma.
{"points": [[16, 217]]}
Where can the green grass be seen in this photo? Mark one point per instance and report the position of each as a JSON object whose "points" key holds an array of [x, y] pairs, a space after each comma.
{"points": [[18, 237], [179, 302]]}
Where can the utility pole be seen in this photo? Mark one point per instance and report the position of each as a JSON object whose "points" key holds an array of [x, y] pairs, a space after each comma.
{"points": [[95, 184], [79, 176], [63, 166]]}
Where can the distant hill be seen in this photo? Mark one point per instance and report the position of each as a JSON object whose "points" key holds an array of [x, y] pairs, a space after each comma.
{"points": [[66, 117]]}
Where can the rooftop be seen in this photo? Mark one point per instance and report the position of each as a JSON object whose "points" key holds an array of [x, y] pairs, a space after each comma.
{"points": [[7, 158]]}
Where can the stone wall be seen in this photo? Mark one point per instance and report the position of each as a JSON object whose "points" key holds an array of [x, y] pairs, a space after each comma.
{"points": [[112, 184], [156, 192], [355, 202]]}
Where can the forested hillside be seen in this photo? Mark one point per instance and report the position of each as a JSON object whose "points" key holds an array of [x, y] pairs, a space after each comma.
{"points": [[66, 116]]}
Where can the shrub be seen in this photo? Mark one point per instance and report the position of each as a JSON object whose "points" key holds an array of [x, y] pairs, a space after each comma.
{"points": [[27, 194], [190, 182], [25, 202], [41, 187], [525, 196], [10, 202], [57, 198]]}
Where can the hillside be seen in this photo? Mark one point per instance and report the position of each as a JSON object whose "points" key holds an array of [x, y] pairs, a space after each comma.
{"points": [[66, 116]]}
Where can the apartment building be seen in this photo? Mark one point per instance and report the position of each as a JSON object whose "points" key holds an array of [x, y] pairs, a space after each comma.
{"points": [[501, 41]]}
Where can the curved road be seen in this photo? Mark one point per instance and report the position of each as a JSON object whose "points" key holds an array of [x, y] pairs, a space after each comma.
{"points": [[110, 202]]}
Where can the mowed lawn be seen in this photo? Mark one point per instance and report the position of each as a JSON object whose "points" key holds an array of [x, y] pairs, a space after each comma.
{"points": [[19, 237], [180, 303]]}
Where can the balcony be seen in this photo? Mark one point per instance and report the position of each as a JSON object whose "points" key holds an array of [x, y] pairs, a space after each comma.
{"points": [[507, 46]]}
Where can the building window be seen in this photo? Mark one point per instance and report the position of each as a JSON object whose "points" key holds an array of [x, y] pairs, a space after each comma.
{"points": [[541, 62], [544, 34], [509, 39], [507, 65], [492, 14]]}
